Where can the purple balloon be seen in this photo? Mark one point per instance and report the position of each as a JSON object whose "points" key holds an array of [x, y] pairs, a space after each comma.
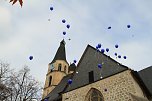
{"points": [[51, 8], [107, 49], [31, 57], [116, 46], [119, 56], [75, 61], [100, 66], [99, 45], [125, 57], [109, 27], [70, 81], [128, 26], [102, 50], [68, 26], [115, 54], [63, 21], [64, 33]]}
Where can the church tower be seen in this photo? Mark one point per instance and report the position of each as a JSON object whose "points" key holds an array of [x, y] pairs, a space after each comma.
{"points": [[57, 69]]}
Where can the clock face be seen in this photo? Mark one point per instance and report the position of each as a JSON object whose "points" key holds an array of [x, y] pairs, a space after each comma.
{"points": [[51, 67]]}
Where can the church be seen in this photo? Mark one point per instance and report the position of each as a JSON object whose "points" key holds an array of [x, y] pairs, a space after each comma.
{"points": [[87, 82]]}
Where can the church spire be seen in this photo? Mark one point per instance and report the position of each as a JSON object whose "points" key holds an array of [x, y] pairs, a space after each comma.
{"points": [[60, 54]]}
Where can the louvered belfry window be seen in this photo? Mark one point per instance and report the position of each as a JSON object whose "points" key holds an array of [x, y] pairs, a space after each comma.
{"points": [[91, 77]]}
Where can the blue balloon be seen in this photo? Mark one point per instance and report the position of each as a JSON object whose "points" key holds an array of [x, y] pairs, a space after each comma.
{"points": [[125, 57], [128, 26], [109, 27], [70, 81], [45, 99], [100, 66], [68, 26], [99, 45], [75, 61], [102, 50], [107, 49], [119, 56], [51, 8], [31, 57], [64, 33], [63, 21], [115, 54], [116, 46]]}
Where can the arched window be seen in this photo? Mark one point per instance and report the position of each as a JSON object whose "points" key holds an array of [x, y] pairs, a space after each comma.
{"points": [[59, 67], [64, 68], [94, 95], [50, 80]]}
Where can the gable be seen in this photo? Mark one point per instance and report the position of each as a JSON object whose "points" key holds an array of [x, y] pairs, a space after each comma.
{"points": [[89, 62]]}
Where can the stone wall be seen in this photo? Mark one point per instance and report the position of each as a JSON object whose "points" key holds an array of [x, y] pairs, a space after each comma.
{"points": [[115, 88]]}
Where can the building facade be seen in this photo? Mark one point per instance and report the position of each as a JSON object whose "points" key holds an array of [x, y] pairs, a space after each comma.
{"points": [[111, 82]]}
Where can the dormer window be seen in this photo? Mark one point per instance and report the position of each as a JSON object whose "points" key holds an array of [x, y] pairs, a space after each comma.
{"points": [[59, 67]]}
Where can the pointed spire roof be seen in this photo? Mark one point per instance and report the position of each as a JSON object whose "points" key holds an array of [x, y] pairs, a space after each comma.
{"points": [[60, 54]]}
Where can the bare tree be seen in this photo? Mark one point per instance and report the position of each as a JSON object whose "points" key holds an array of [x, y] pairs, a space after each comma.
{"points": [[5, 91], [24, 86], [21, 86]]}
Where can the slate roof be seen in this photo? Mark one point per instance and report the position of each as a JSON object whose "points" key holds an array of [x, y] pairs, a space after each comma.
{"points": [[60, 54], [55, 94], [146, 76], [89, 62]]}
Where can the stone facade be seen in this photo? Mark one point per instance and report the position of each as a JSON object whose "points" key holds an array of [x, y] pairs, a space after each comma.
{"points": [[118, 87]]}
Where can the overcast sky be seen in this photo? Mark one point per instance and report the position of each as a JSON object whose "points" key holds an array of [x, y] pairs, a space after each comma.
{"points": [[26, 31]]}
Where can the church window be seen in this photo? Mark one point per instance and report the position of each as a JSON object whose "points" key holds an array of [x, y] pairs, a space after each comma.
{"points": [[50, 80], [91, 77], [94, 95], [59, 67]]}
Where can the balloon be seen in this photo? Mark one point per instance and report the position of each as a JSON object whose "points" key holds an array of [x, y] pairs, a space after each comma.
{"points": [[109, 27], [51, 8], [70, 81], [75, 61], [102, 50], [125, 57], [128, 26], [63, 21], [64, 33], [116, 46], [107, 49], [97, 47], [115, 54], [100, 66], [45, 99], [68, 26], [31, 57], [119, 56]]}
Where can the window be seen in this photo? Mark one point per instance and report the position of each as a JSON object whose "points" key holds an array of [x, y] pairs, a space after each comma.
{"points": [[59, 67], [50, 80], [91, 77], [94, 95], [64, 68]]}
